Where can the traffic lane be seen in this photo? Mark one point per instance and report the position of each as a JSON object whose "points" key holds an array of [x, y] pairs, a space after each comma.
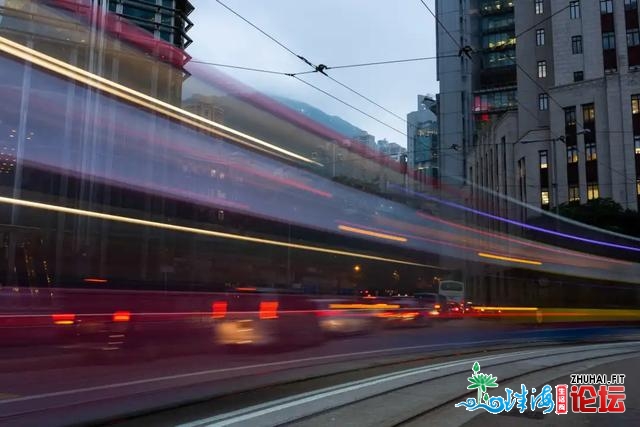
{"points": [[82, 387], [54, 372], [24, 374]]}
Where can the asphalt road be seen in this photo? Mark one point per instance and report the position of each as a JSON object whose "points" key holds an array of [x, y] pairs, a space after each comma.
{"points": [[61, 387]]}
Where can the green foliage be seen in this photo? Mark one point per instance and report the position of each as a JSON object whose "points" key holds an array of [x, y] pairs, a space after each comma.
{"points": [[603, 213]]}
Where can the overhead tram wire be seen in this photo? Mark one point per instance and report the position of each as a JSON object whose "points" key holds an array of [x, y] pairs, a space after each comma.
{"points": [[458, 44], [318, 68], [370, 64], [239, 67], [520, 104], [446, 30], [348, 105]]}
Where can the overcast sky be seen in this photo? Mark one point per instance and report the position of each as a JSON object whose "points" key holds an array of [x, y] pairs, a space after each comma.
{"points": [[331, 32]]}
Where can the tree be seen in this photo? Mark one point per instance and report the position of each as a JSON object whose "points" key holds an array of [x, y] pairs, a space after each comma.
{"points": [[603, 213]]}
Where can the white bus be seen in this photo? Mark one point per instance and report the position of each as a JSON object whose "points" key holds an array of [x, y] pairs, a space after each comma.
{"points": [[453, 290]]}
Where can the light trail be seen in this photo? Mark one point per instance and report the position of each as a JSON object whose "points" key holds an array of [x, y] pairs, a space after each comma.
{"points": [[120, 91], [372, 233], [200, 231], [508, 259]]}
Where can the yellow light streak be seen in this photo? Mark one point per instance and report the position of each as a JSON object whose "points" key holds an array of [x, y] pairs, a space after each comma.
{"points": [[200, 231], [138, 98], [483, 308], [510, 259], [372, 233], [361, 306]]}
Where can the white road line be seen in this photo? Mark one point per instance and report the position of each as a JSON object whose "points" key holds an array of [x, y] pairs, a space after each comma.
{"points": [[236, 368], [301, 399]]}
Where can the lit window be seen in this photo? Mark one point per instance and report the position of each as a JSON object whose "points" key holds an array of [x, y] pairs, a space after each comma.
{"points": [[542, 69], [606, 6], [539, 7], [633, 38], [572, 154], [588, 113], [543, 102], [576, 45], [544, 156], [544, 197], [574, 9], [590, 150], [592, 191], [540, 37], [574, 193], [636, 144], [638, 187], [578, 76], [635, 104], [608, 41]]}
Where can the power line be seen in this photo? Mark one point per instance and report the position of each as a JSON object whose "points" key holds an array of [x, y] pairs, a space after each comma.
{"points": [[368, 64], [239, 67], [440, 24], [541, 21], [368, 99], [348, 105], [337, 67], [263, 32], [319, 68]]}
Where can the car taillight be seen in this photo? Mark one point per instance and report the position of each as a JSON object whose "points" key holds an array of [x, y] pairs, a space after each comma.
{"points": [[268, 309], [219, 309], [63, 318], [121, 316]]}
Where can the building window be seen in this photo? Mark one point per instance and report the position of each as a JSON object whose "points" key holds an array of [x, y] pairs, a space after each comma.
{"points": [[635, 104], [544, 156], [636, 144], [630, 4], [606, 6], [570, 116], [540, 37], [574, 9], [572, 154], [543, 102], [578, 76], [590, 150], [576, 44], [539, 7], [592, 191], [638, 187], [633, 38], [608, 41], [588, 113], [542, 69], [544, 198], [574, 193]]}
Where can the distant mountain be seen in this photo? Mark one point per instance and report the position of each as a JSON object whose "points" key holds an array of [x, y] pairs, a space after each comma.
{"points": [[333, 122]]}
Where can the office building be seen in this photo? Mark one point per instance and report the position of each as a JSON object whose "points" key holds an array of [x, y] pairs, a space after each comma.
{"points": [[422, 140], [109, 38], [574, 133]]}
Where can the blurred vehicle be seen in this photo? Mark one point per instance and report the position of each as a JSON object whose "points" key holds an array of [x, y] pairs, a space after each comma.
{"points": [[253, 318], [404, 312], [453, 290], [435, 306], [340, 317], [455, 310]]}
